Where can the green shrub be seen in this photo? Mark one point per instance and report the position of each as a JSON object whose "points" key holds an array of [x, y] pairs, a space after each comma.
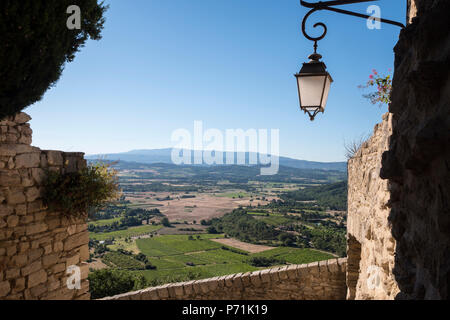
{"points": [[36, 44], [78, 192], [107, 282], [265, 261], [165, 222]]}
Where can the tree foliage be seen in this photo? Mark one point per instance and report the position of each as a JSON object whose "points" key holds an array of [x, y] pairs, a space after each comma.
{"points": [[244, 227], [36, 44], [332, 196], [109, 282]]}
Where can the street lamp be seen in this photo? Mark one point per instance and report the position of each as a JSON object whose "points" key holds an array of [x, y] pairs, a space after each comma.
{"points": [[313, 80]]}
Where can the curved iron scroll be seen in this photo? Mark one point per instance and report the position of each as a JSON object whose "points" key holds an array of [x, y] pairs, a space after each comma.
{"points": [[327, 5]]}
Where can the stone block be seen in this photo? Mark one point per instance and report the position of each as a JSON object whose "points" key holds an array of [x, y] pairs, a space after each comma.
{"points": [[30, 268], [265, 276], [282, 272], [255, 278], [15, 196], [9, 178], [73, 260], [19, 284], [163, 292], [12, 221], [21, 118], [12, 273], [37, 278], [28, 160], [36, 228], [32, 194], [20, 260], [50, 260], [76, 240], [5, 288], [54, 158]]}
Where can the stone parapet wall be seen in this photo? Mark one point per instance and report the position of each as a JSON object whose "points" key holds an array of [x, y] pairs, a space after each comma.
{"points": [[323, 280], [371, 245], [36, 245]]}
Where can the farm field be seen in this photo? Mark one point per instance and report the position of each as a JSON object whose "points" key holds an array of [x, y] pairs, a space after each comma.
{"points": [[252, 248], [171, 226], [130, 232], [203, 206], [203, 258]]}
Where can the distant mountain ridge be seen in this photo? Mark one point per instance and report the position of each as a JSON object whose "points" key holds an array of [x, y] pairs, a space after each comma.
{"points": [[165, 156]]}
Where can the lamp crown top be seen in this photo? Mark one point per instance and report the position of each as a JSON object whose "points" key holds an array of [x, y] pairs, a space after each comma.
{"points": [[315, 57]]}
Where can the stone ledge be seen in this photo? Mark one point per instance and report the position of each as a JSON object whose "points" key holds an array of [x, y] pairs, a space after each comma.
{"points": [[299, 282]]}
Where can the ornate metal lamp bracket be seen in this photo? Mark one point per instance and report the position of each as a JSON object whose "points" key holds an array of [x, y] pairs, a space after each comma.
{"points": [[329, 5]]}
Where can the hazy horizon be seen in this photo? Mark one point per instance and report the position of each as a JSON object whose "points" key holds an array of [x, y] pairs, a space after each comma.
{"points": [[161, 149], [161, 65]]}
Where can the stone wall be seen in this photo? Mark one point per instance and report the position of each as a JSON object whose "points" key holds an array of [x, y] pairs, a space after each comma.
{"points": [[36, 245], [371, 245], [323, 280], [417, 164]]}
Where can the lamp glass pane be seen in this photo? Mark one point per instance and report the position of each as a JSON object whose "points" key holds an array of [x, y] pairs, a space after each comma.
{"points": [[326, 92], [310, 90]]}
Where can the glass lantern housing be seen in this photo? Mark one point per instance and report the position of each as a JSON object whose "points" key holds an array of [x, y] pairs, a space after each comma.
{"points": [[314, 84]]}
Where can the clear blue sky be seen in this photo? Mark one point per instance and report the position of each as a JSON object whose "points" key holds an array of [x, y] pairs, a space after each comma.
{"points": [[164, 63]]}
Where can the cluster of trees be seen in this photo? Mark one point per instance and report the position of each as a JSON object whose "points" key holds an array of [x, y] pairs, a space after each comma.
{"points": [[140, 257], [99, 248], [328, 239], [331, 196], [238, 177], [324, 235], [110, 282], [156, 187], [129, 218], [265, 262], [240, 225]]}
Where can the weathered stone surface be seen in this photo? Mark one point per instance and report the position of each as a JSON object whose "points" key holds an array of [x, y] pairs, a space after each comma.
{"points": [[9, 178], [76, 240], [32, 254], [398, 227], [370, 241], [15, 196], [36, 228], [21, 118], [5, 288], [28, 160], [264, 286], [37, 278], [417, 162], [54, 158]]}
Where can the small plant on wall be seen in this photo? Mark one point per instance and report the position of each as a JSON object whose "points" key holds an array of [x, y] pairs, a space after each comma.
{"points": [[76, 193], [383, 83]]}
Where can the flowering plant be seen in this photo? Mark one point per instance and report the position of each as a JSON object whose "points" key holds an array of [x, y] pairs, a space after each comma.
{"points": [[384, 88]]}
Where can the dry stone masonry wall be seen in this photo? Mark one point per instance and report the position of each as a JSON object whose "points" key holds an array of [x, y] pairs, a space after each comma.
{"points": [[399, 228], [323, 280], [417, 163], [371, 245], [36, 246]]}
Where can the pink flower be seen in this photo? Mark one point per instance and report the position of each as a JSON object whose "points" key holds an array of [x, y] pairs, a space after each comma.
{"points": [[371, 76], [374, 72]]}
